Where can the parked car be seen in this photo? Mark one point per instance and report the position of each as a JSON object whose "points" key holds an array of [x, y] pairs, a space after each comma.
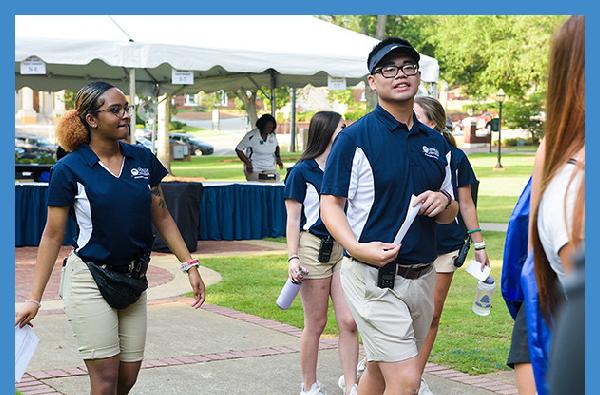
{"points": [[30, 153], [31, 140], [144, 142], [197, 146]]}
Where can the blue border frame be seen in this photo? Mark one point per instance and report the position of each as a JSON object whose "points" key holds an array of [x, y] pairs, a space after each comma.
{"points": [[272, 7]]}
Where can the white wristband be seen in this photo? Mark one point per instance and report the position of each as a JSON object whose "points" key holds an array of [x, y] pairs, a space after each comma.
{"points": [[186, 266], [479, 246]]}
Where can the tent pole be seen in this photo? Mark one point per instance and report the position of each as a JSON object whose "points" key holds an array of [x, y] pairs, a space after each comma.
{"points": [[132, 101], [163, 150], [293, 122]]}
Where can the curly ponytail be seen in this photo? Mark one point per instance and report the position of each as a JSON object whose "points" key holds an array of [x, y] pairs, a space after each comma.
{"points": [[72, 129]]}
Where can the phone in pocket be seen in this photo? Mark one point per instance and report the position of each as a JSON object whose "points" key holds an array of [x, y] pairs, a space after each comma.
{"points": [[325, 249], [386, 276]]}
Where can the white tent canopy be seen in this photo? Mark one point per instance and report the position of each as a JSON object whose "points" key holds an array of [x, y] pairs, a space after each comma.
{"points": [[224, 52]]}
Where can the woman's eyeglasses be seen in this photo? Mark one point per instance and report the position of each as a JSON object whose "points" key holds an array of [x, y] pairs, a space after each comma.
{"points": [[119, 111]]}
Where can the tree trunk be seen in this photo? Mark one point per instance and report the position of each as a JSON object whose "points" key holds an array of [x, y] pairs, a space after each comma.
{"points": [[248, 98], [370, 95], [380, 29]]}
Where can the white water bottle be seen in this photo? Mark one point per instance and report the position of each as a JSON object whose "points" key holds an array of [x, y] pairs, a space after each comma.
{"points": [[289, 291], [483, 297]]}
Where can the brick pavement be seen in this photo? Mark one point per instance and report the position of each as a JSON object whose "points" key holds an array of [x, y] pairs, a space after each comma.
{"points": [[25, 262], [33, 382]]}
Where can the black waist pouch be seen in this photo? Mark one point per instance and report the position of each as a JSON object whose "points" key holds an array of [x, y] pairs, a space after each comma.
{"points": [[462, 254], [121, 289]]}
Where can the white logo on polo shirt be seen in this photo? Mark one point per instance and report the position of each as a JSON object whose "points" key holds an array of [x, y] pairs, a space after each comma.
{"points": [[431, 152], [140, 172]]}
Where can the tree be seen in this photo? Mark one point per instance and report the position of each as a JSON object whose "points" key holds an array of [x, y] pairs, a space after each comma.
{"points": [[479, 53], [248, 99], [282, 96]]}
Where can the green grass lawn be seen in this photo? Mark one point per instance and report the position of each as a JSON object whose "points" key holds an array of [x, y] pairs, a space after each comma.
{"points": [[466, 342], [222, 168], [498, 189], [495, 209]]}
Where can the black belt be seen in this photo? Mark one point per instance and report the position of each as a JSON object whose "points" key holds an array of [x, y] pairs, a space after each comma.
{"points": [[120, 268], [407, 272], [328, 237]]}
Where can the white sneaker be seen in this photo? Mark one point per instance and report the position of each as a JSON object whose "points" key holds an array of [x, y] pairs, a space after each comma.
{"points": [[424, 388], [360, 369], [353, 390], [315, 389]]}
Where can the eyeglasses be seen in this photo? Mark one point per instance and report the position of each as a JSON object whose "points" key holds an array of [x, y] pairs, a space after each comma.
{"points": [[119, 111], [392, 70]]}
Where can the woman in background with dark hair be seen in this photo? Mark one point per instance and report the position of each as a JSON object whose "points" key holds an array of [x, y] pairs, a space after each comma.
{"points": [[112, 191], [259, 150], [306, 233], [449, 237]]}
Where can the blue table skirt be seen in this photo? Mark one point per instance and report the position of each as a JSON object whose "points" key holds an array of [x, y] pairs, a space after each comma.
{"points": [[227, 212]]}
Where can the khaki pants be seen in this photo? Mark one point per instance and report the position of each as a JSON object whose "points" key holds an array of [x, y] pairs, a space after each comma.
{"points": [[392, 322]]}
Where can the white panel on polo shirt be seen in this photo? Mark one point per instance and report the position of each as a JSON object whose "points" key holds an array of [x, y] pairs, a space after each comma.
{"points": [[83, 215], [311, 206], [360, 197], [447, 184]]}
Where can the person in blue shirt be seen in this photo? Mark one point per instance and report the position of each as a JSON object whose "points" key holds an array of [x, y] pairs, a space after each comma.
{"points": [[379, 167], [112, 191], [306, 233], [450, 237]]}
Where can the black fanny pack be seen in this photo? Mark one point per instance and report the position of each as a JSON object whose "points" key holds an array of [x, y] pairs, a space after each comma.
{"points": [[267, 176], [123, 285], [462, 254]]}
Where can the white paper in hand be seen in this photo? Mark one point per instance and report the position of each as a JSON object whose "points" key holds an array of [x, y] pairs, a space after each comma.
{"points": [[474, 269], [408, 221], [25, 344]]}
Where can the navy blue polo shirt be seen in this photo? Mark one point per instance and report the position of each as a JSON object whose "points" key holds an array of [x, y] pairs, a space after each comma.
{"points": [[303, 184], [112, 212], [378, 164], [450, 237]]}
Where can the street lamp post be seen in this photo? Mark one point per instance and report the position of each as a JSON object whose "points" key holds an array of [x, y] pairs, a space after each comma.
{"points": [[500, 97]]}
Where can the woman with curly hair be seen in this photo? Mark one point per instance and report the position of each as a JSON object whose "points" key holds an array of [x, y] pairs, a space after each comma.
{"points": [[112, 191]]}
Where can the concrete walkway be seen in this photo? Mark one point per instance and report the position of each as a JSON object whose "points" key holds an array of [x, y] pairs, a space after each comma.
{"points": [[214, 350], [494, 227]]}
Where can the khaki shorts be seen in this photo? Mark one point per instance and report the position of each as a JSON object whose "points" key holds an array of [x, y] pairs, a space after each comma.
{"points": [[445, 263], [100, 330], [309, 257], [392, 322]]}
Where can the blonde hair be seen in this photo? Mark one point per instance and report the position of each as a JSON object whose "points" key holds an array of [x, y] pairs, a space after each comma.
{"points": [[434, 111]]}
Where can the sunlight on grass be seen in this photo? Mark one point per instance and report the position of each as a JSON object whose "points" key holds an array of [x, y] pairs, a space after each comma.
{"points": [[466, 342]]}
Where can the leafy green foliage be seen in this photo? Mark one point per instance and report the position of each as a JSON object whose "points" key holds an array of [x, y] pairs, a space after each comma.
{"points": [[480, 53], [282, 97], [525, 114]]}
